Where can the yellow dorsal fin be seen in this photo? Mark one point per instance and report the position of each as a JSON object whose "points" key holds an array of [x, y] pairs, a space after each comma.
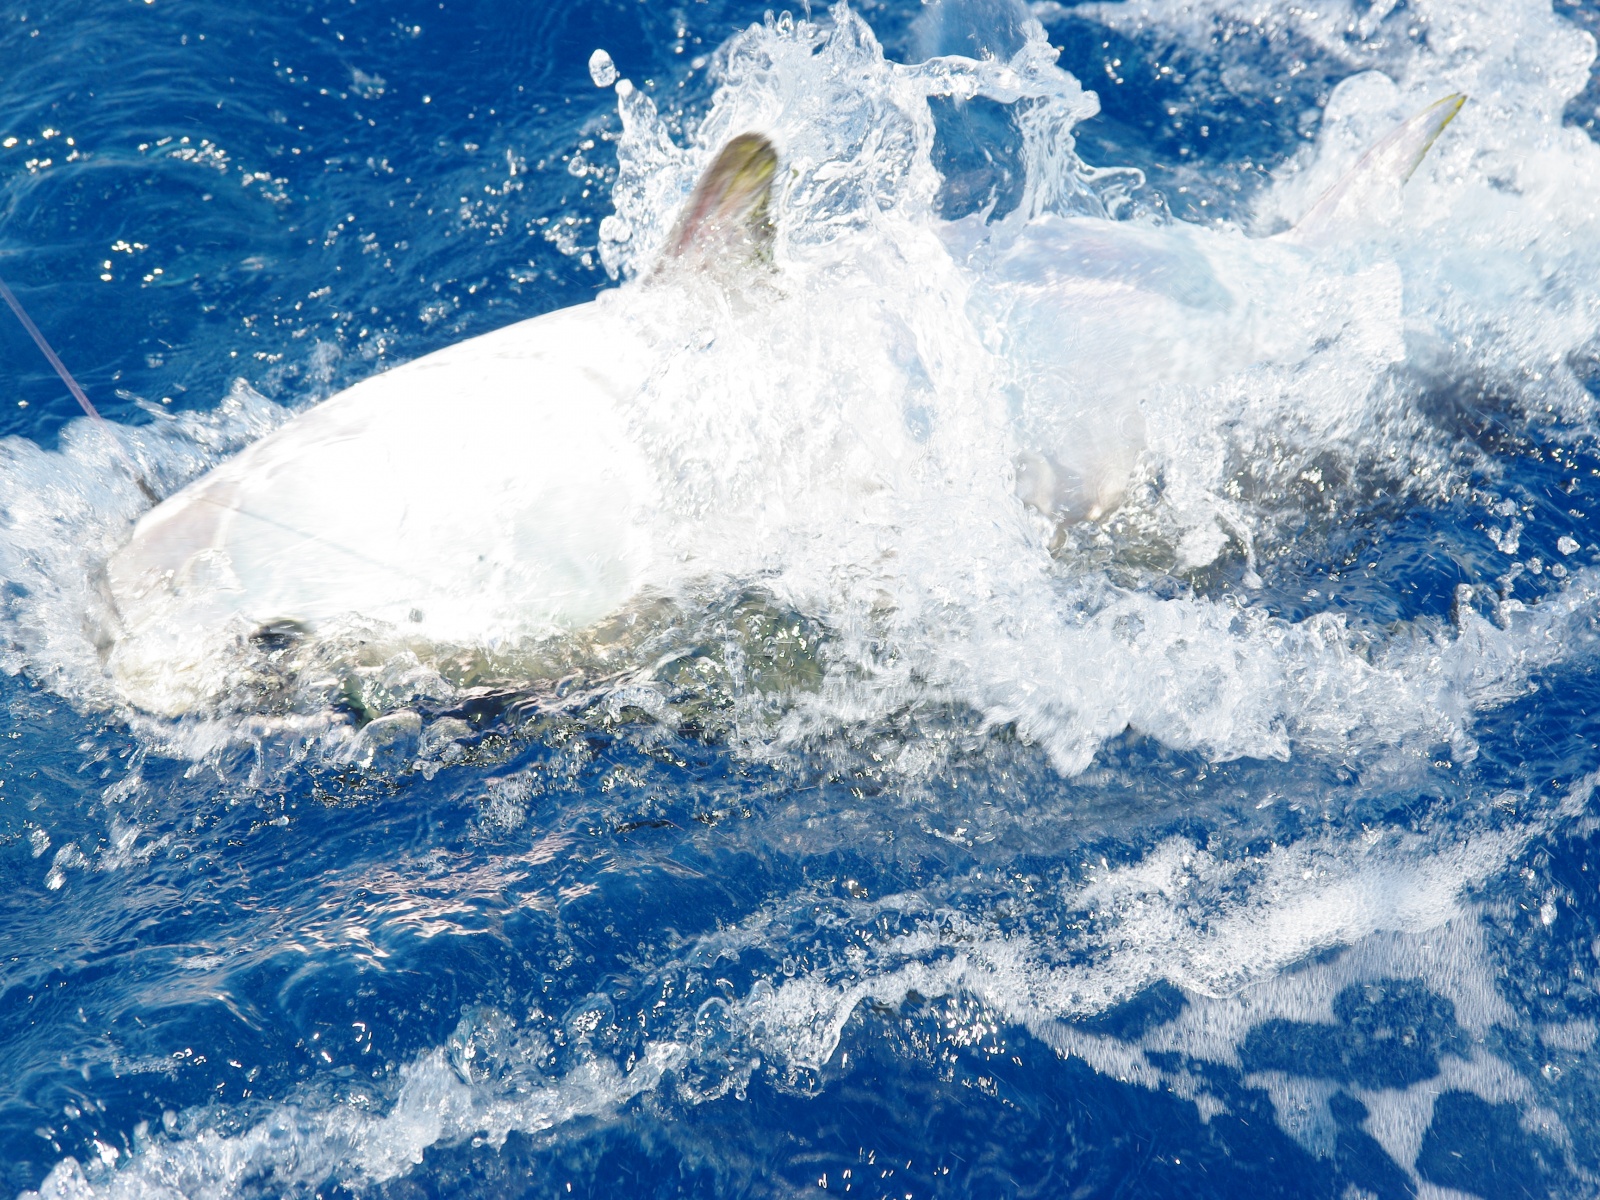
{"points": [[728, 214]]}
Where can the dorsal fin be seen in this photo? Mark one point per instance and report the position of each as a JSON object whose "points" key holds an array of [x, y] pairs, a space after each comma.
{"points": [[728, 214], [1361, 194]]}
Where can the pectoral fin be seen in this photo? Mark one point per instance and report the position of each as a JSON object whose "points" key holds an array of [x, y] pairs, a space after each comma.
{"points": [[1362, 194]]}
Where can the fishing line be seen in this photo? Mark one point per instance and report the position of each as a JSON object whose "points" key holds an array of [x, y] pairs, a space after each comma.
{"points": [[78, 393]]}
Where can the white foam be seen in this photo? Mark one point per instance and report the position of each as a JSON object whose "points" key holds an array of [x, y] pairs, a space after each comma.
{"points": [[1224, 929], [304, 1146], [1260, 936], [1241, 961]]}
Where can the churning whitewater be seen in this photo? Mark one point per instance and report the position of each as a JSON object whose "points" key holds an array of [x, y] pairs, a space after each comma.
{"points": [[966, 479], [1100, 614]]}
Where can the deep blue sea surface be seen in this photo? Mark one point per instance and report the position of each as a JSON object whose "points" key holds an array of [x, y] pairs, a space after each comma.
{"points": [[1312, 909]]}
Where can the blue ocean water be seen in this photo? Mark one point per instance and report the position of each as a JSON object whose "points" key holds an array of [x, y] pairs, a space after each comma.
{"points": [[624, 940]]}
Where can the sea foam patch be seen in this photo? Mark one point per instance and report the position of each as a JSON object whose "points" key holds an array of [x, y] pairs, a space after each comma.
{"points": [[1336, 978]]}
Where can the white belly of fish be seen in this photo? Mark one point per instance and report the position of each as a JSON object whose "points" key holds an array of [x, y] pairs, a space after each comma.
{"points": [[486, 493]]}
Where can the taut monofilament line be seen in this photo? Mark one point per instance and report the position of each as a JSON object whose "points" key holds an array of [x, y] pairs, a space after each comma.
{"points": [[78, 393]]}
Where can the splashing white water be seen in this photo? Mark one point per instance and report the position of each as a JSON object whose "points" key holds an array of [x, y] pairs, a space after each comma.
{"points": [[850, 435]]}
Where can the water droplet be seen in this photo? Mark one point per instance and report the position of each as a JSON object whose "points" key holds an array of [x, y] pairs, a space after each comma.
{"points": [[601, 69]]}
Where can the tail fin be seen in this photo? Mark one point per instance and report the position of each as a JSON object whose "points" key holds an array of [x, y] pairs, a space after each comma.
{"points": [[728, 213], [1381, 172]]}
